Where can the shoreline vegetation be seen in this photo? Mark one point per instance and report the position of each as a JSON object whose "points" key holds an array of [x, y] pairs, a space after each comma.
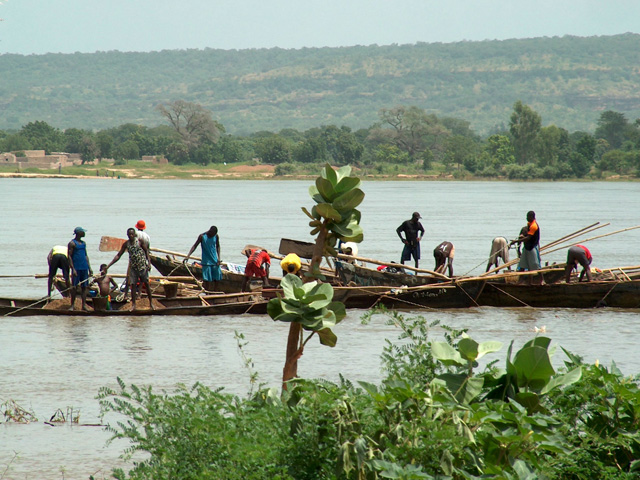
{"points": [[138, 170]]}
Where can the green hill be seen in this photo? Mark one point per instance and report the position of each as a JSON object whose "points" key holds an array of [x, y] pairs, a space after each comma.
{"points": [[568, 80]]}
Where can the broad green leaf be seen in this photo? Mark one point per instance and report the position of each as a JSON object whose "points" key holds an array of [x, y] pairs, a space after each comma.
{"points": [[341, 173], [327, 337], [274, 308], [327, 211], [528, 400], [328, 173], [326, 189], [463, 387], [315, 194], [572, 376], [543, 342], [468, 348], [533, 367], [348, 200], [488, 347], [339, 310], [346, 184], [446, 354]]}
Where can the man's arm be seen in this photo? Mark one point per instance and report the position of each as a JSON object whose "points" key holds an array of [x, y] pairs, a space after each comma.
{"points": [[195, 245], [399, 231], [218, 248], [70, 249], [118, 255]]}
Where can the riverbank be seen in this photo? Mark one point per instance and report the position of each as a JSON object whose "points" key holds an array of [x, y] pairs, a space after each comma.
{"points": [[145, 170]]}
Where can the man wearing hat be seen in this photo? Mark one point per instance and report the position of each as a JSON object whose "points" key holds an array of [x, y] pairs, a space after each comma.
{"points": [[411, 240], [143, 236], [80, 266]]}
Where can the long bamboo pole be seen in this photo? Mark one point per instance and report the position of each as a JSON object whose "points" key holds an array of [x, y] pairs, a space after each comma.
{"points": [[594, 238], [561, 239], [571, 237], [405, 267]]}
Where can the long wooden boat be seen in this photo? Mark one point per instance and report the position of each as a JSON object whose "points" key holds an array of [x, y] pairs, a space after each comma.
{"points": [[232, 274], [353, 274], [617, 294], [224, 304]]}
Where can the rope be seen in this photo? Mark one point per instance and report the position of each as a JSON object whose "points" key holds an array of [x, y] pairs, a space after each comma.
{"points": [[509, 295]]}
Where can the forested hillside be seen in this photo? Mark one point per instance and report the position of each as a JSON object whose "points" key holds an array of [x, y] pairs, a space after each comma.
{"points": [[569, 81]]}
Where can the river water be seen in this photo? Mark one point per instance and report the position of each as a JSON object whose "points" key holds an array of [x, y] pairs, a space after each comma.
{"points": [[52, 363]]}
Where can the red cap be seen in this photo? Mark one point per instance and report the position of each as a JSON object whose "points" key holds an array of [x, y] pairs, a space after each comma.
{"points": [[141, 225]]}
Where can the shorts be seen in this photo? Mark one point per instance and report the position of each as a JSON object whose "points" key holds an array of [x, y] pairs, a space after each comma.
{"points": [[135, 275], [252, 270], [530, 259], [61, 262], [81, 278], [411, 251]]}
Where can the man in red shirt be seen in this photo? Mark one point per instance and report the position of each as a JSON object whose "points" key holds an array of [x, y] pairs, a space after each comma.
{"points": [[258, 264], [578, 254]]}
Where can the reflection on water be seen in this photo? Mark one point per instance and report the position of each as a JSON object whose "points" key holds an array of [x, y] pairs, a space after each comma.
{"points": [[52, 363]]}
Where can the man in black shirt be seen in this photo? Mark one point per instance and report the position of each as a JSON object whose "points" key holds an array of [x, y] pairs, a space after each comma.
{"points": [[411, 240]]}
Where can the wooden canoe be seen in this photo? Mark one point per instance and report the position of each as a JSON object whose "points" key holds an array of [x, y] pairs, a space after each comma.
{"points": [[617, 294], [352, 274]]}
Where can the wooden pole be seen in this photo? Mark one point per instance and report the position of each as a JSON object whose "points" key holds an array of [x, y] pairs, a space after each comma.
{"points": [[405, 267], [561, 239], [594, 238]]}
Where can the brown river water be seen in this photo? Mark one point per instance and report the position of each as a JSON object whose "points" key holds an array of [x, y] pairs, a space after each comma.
{"points": [[52, 363]]}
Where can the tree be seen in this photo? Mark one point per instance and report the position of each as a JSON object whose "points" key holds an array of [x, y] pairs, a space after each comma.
{"points": [[612, 127], [193, 123], [43, 136], [500, 151], [273, 149], [412, 130], [89, 149], [460, 150], [310, 306], [524, 127], [552, 146]]}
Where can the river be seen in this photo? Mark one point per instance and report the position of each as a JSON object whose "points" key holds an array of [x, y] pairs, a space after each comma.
{"points": [[55, 363]]}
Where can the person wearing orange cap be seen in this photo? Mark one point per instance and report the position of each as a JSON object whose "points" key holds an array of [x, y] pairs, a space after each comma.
{"points": [[143, 236]]}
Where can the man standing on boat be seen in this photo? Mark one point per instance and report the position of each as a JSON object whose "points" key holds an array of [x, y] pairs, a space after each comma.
{"points": [[80, 267], [411, 240], [138, 270], [530, 257], [578, 254], [211, 272], [444, 254]]}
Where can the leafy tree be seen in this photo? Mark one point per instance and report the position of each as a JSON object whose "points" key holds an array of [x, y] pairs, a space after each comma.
{"points": [[127, 151], [386, 153], [612, 127], [178, 153], [89, 149], [500, 151], [524, 127], [192, 122], [411, 129], [461, 150], [105, 144], [552, 145], [15, 143], [579, 164], [73, 139], [310, 307], [42, 136], [273, 149]]}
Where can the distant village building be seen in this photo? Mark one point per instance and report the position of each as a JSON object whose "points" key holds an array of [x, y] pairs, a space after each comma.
{"points": [[38, 159]]}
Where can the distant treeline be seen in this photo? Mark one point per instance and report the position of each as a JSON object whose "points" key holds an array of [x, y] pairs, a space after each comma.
{"points": [[568, 80], [405, 139]]}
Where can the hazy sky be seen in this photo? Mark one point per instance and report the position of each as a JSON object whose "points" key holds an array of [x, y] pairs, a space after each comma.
{"points": [[67, 26]]}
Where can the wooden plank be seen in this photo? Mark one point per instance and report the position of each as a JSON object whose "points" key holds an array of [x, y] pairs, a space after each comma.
{"points": [[300, 248]]}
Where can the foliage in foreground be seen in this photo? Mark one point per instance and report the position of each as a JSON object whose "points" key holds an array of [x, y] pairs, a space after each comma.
{"points": [[431, 417]]}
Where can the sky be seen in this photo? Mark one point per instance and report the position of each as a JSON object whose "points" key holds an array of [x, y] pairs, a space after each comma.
{"points": [[68, 26]]}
